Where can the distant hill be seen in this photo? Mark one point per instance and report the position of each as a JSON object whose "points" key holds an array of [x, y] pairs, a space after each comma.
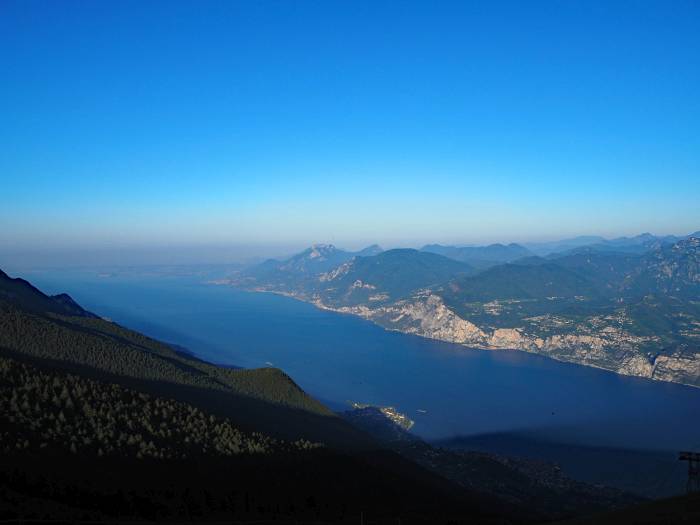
{"points": [[548, 247], [481, 256], [358, 278], [388, 276], [302, 268], [672, 270], [374, 249], [519, 281], [603, 269], [636, 245]]}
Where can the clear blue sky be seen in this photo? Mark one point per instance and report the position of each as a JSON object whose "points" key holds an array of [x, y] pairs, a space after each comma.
{"points": [[138, 125]]}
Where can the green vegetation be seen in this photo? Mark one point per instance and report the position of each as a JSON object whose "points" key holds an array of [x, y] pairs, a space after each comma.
{"points": [[107, 347], [645, 295], [40, 409], [393, 273], [516, 281]]}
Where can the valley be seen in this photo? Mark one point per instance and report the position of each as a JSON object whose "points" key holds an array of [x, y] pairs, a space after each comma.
{"points": [[423, 384]]}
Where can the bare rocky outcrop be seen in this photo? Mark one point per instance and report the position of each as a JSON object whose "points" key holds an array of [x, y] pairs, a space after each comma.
{"points": [[679, 368]]}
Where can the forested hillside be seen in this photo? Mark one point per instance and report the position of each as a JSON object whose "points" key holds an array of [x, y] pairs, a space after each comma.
{"points": [[78, 448], [45, 409]]}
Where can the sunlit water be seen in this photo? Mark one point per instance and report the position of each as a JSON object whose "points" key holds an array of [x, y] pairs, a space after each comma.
{"points": [[447, 389]]}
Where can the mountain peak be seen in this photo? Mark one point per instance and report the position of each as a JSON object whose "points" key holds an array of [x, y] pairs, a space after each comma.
{"points": [[374, 249], [321, 250], [69, 304], [322, 246]]}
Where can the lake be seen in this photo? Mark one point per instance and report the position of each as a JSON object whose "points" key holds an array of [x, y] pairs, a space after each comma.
{"points": [[447, 389]]}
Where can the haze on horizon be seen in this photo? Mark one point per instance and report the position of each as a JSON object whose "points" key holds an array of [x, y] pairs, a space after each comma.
{"points": [[167, 132]]}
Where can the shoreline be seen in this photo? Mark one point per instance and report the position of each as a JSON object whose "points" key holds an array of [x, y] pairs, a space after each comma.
{"points": [[474, 346]]}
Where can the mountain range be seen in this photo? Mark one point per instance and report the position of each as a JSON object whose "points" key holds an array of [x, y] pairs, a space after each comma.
{"points": [[481, 256], [630, 305], [637, 244]]}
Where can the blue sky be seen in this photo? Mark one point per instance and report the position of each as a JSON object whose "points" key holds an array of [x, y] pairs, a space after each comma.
{"points": [[147, 125]]}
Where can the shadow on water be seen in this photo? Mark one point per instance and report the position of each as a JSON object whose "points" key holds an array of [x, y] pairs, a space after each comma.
{"points": [[652, 473]]}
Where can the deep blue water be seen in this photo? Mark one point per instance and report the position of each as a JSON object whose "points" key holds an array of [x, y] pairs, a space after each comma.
{"points": [[339, 358]]}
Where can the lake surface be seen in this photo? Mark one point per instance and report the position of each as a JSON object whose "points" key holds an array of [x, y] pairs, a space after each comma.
{"points": [[447, 389]]}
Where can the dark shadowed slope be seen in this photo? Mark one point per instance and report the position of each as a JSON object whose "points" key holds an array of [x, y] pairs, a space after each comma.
{"points": [[672, 511], [648, 473], [637, 244], [22, 294], [75, 447], [526, 483]]}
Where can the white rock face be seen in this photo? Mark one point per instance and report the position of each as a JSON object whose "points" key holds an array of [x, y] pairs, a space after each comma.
{"points": [[428, 316], [667, 368], [513, 338], [338, 272], [359, 284]]}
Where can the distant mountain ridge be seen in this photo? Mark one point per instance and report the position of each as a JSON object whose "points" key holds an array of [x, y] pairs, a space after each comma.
{"points": [[481, 256], [630, 305], [638, 244]]}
